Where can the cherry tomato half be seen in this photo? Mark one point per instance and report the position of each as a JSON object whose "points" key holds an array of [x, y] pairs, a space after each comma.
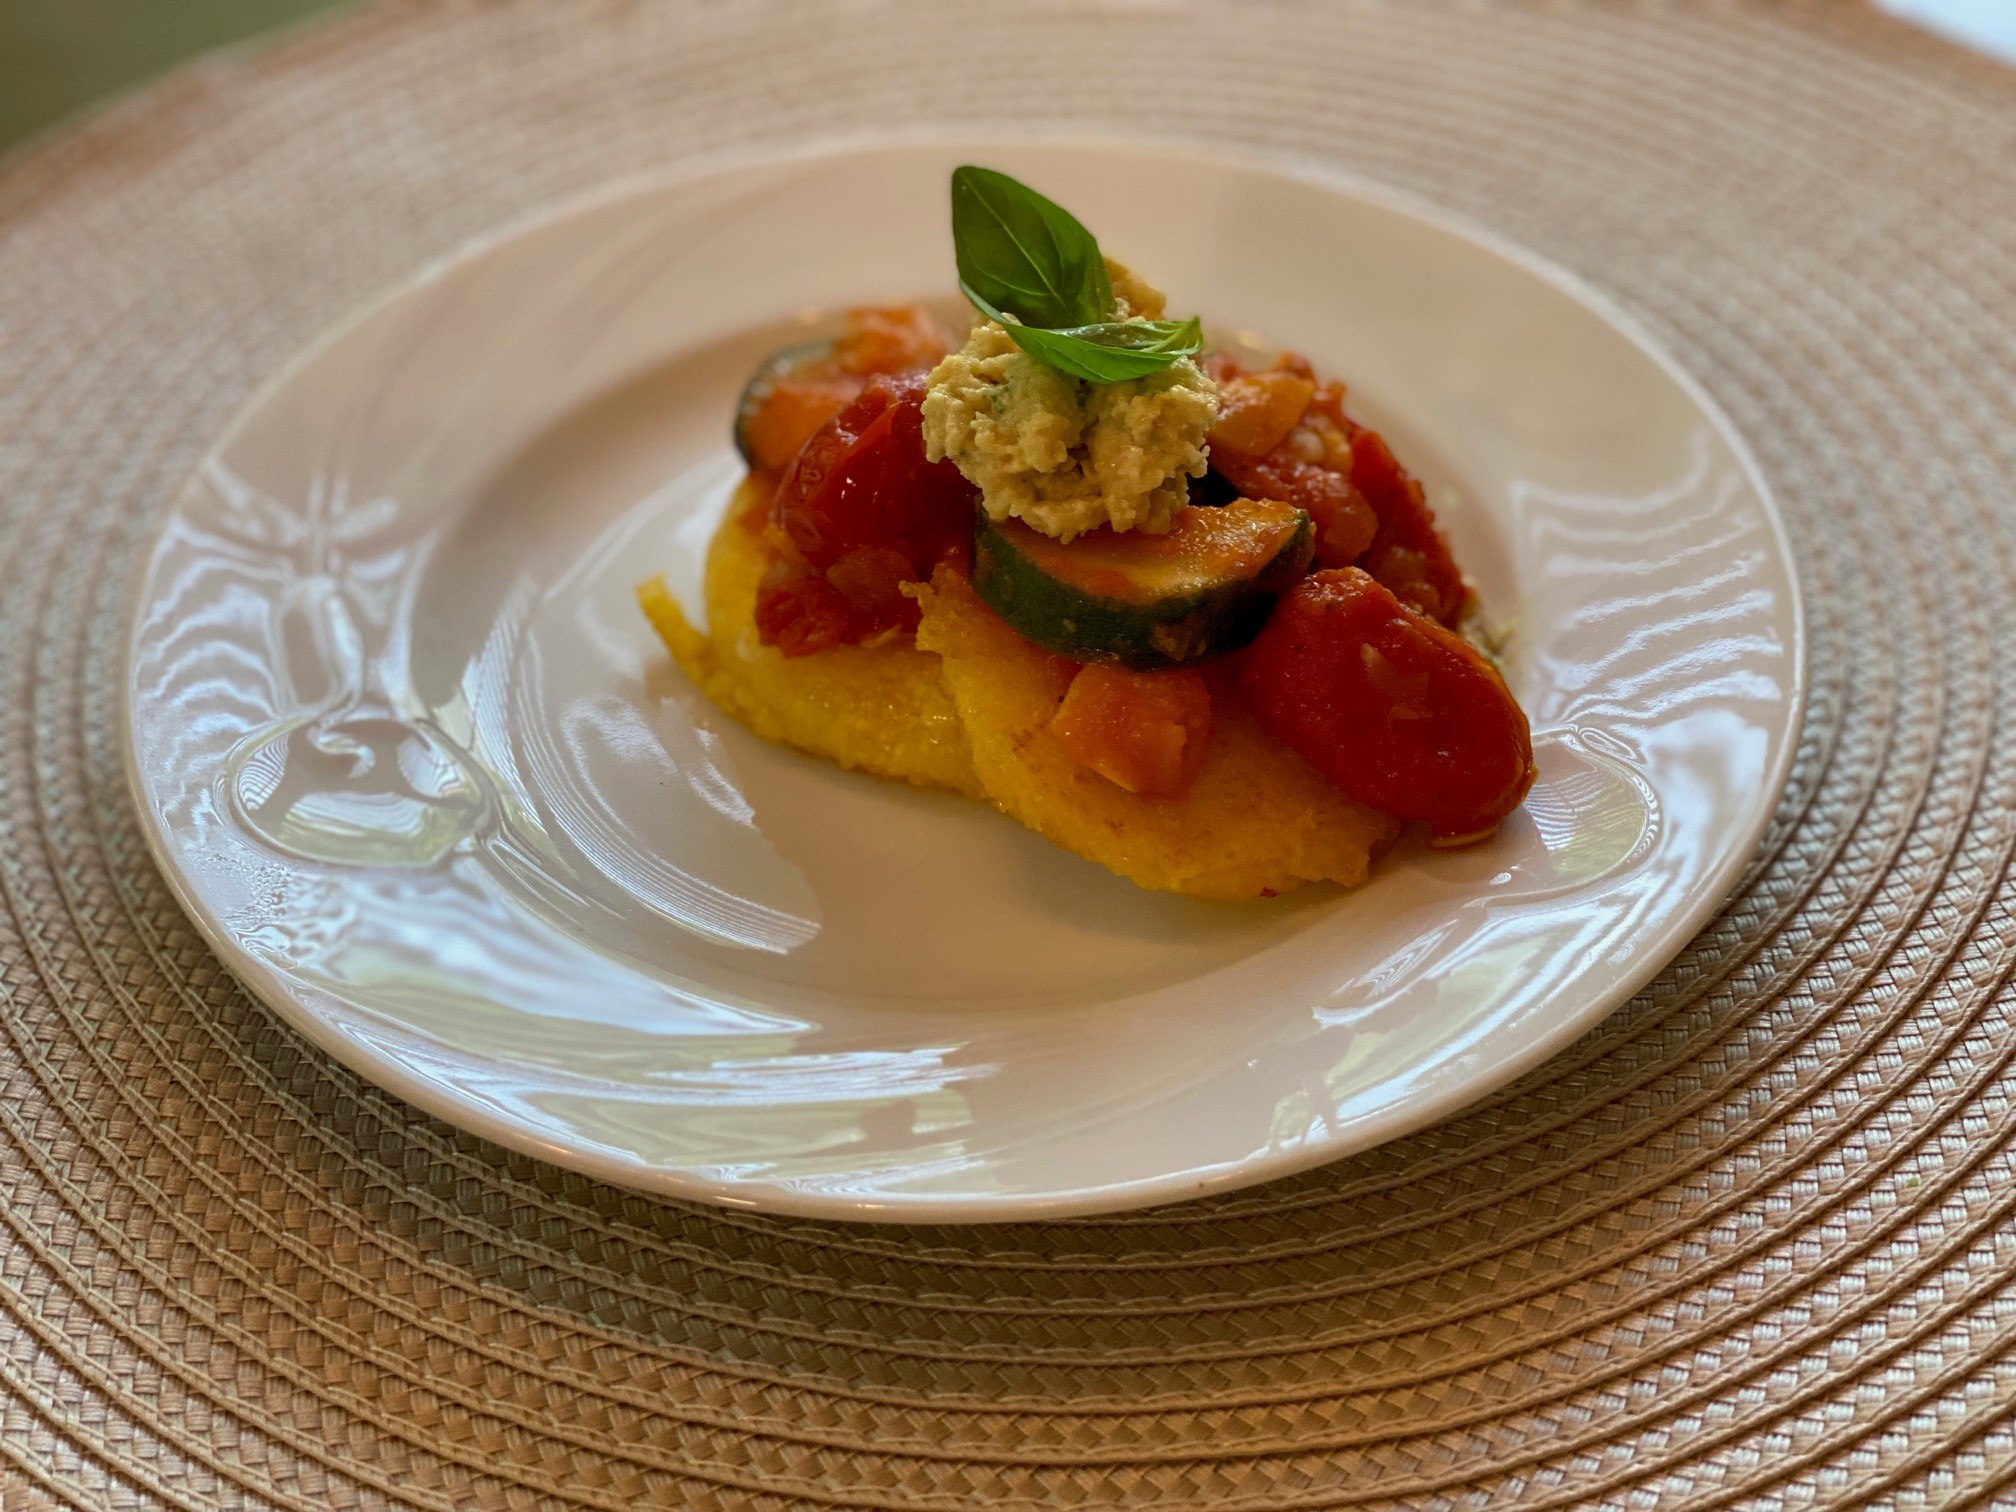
{"points": [[1396, 711], [859, 512]]}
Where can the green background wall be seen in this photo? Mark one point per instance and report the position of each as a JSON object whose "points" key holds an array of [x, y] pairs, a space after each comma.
{"points": [[57, 56]]}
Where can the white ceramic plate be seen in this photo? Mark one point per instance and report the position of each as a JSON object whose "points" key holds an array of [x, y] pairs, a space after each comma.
{"points": [[418, 768]]}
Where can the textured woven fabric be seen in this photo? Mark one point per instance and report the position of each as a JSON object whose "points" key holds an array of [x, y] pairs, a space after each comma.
{"points": [[1749, 1243]]}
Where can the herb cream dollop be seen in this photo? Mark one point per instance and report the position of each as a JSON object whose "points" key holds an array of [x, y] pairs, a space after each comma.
{"points": [[1063, 454]]}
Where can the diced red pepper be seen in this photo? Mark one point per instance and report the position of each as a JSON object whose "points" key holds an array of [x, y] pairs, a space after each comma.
{"points": [[1396, 711], [1147, 732]]}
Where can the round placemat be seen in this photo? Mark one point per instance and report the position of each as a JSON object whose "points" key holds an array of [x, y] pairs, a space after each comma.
{"points": [[1750, 1243]]}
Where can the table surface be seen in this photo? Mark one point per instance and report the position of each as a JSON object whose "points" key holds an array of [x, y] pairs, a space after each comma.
{"points": [[58, 56], [1749, 1244]]}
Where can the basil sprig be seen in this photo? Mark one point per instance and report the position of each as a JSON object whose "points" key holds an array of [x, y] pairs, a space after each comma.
{"points": [[1106, 351], [1027, 263], [1020, 252]]}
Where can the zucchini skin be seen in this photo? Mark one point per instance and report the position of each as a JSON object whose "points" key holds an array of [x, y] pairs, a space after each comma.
{"points": [[1178, 630], [756, 392]]}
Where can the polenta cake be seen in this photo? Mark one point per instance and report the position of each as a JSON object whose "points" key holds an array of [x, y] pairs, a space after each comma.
{"points": [[1178, 614]]}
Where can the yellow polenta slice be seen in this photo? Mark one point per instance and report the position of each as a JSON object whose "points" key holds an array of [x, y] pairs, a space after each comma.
{"points": [[1258, 819], [881, 709], [969, 709]]}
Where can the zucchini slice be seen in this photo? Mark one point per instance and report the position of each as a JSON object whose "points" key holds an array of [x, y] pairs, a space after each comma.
{"points": [[756, 392], [1146, 601]]}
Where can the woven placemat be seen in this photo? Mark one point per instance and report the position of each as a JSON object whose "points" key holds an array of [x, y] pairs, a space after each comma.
{"points": [[1749, 1243]]}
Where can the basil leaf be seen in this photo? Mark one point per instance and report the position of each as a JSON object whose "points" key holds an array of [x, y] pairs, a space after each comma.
{"points": [[1028, 264], [1025, 254], [1110, 351]]}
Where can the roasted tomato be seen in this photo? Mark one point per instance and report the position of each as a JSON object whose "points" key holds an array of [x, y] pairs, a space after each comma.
{"points": [[1408, 555], [799, 612], [863, 480], [1273, 441], [795, 391], [1398, 712], [888, 339], [1368, 510], [1256, 411], [791, 408], [1345, 524], [1144, 731], [858, 513]]}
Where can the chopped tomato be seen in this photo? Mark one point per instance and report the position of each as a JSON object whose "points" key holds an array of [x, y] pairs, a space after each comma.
{"points": [[1256, 411], [889, 339], [1328, 400], [798, 391], [792, 414], [1368, 510], [863, 510], [871, 579], [1147, 732], [799, 612], [1408, 554], [1396, 711], [1345, 524], [863, 480]]}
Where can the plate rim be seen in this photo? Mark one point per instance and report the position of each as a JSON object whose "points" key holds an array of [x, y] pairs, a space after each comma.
{"points": [[781, 1197]]}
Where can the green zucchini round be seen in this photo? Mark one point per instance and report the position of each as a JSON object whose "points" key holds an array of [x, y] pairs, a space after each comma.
{"points": [[1146, 601], [756, 392]]}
